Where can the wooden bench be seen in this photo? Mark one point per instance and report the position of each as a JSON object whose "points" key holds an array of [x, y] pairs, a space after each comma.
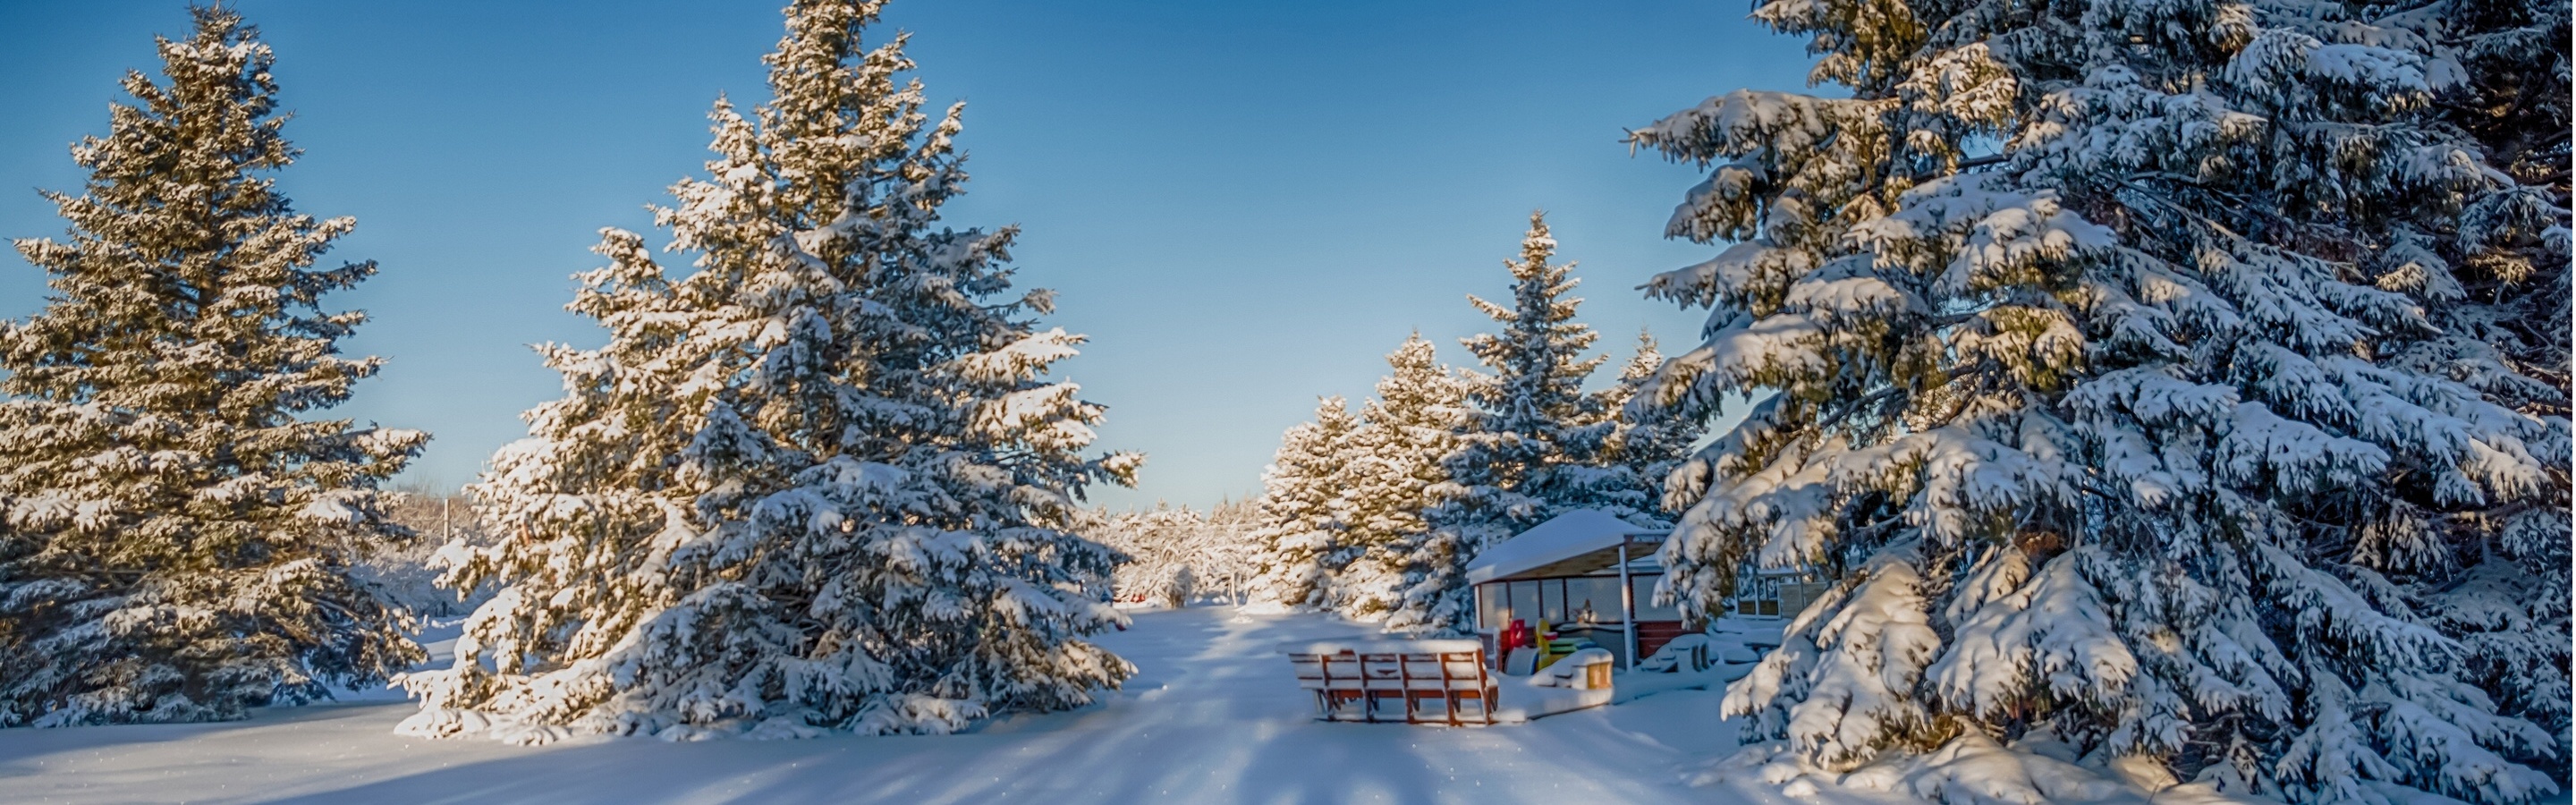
{"points": [[1358, 680]]}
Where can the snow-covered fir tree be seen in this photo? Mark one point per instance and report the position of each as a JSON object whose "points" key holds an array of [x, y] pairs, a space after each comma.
{"points": [[1302, 515], [2496, 286], [1648, 441], [1392, 460], [2081, 334], [179, 523], [820, 481], [1531, 443]]}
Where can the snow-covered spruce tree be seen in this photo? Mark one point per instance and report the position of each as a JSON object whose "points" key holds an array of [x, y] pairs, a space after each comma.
{"points": [[1302, 515], [1649, 440], [178, 534], [1532, 438], [2495, 284], [1393, 460], [818, 483], [2079, 331]]}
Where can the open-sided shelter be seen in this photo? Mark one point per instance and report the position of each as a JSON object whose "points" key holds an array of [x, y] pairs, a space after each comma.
{"points": [[1586, 573]]}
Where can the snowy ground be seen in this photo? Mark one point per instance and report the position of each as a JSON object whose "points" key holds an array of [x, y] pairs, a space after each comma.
{"points": [[1212, 716]]}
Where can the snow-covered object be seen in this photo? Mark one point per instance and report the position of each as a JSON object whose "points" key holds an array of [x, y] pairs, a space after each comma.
{"points": [[1573, 670], [2094, 349], [1533, 442], [820, 482], [1676, 655], [1731, 648], [1342, 504], [177, 521], [1545, 693]]}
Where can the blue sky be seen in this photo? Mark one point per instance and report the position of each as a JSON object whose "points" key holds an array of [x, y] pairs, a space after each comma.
{"points": [[1245, 205]]}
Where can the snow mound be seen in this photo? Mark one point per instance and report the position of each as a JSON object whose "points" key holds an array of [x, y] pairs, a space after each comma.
{"points": [[1971, 770]]}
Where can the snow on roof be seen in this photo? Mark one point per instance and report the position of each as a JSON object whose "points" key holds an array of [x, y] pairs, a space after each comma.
{"points": [[1571, 535], [1382, 647]]}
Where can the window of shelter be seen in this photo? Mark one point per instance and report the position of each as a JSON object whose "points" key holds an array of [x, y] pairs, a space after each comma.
{"points": [[1493, 606], [1596, 595]]}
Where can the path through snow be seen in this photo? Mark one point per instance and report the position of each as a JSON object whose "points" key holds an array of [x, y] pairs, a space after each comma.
{"points": [[1211, 717]]}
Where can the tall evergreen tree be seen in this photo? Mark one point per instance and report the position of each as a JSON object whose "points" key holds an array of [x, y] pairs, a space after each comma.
{"points": [[2103, 425], [819, 483], [178, 533], [1302, 510], [1393, 460], [1649, 441], [1532, 440], [2495, 283]]}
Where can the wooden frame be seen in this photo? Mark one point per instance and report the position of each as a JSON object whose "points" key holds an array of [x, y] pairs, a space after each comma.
{"points": [[1353, 685]]}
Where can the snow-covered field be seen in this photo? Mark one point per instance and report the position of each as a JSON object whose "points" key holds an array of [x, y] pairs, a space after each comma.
{"points": [[1212, 716]]}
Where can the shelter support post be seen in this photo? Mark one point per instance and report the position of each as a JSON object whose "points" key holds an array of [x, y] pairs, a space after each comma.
{"points": [[1627, 606]]}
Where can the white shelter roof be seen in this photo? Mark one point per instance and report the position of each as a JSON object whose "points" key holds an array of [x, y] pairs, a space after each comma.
{"points": [[1574, 543], [1376, 646]]}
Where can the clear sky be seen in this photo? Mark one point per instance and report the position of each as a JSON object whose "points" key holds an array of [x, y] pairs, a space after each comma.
{"points": [[1244, 204]]}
